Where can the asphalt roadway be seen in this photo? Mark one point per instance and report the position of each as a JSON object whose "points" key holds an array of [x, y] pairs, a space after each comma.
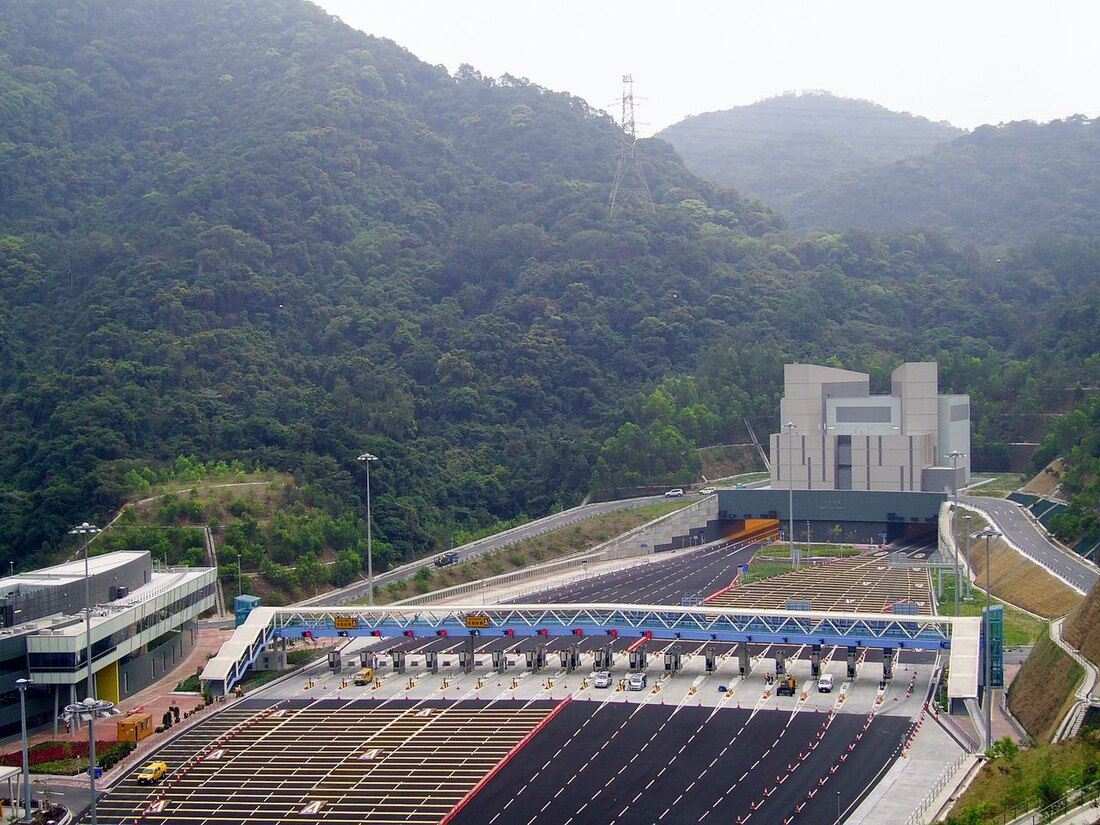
{"points": [[1021, 532], [625, 764], [697, 574]]}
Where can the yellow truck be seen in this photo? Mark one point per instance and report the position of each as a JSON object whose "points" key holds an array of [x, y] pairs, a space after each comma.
{"points": [[153, 772], [364, 676]]}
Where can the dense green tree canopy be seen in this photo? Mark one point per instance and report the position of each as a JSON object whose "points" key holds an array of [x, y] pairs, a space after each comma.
{"points": [[240, 230]]}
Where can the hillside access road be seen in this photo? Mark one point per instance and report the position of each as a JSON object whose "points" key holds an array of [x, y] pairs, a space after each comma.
{"points": [[1022, 533]]}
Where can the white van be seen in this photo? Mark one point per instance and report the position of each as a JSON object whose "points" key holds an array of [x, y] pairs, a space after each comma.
{"points": [[825, 683]]}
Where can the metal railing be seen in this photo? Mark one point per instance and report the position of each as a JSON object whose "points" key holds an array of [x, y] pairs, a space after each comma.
{"points": [[917, 817], [1076, 798]]}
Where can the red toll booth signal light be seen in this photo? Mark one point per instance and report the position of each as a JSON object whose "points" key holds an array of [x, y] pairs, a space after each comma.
{"points": [[509, 632], [612, 633], [376, 633], [648, 634], [409, 633], [543, 631], [441, 633], [578, 631], [307, 634]]}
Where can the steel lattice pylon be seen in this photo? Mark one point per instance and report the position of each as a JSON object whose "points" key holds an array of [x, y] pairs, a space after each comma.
{"points": [[630, 184]]}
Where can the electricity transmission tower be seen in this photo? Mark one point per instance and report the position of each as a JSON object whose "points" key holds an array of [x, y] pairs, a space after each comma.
{"points": [[629, 184]]}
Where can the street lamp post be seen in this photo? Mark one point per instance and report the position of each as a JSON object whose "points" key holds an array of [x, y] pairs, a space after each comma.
{"points": [[966, 554], [22, 684], [88, 711], [240, 585], [955, 455], [790, 428], [87, 531], [367, 458], [987, 534]]}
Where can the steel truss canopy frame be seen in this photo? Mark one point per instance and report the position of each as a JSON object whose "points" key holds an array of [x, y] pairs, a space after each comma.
{"points": [[661, 622]]}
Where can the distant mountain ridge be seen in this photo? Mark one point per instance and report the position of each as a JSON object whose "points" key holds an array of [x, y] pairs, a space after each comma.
{"points": [[996, 185], [778, 148]]}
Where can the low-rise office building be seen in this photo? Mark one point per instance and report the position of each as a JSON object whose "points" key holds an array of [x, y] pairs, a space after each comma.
{"points": [[142, 625]]}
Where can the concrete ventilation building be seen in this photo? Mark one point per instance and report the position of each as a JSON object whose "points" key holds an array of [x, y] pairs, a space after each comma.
{"points": [[845, 438], [143, 624]]}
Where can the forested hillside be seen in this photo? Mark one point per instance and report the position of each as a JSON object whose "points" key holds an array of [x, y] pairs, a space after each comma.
{"points": [[777, 148], [1076, 438], [240, 231], [997, 185]]}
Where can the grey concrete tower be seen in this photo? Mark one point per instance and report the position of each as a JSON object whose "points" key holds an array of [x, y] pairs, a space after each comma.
{"points": [[845, 438]]}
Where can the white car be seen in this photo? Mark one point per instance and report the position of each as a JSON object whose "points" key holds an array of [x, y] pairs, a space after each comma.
{"points": [[825, 683], [602, 679], [675, 492], [637, 681], [707, 491]]}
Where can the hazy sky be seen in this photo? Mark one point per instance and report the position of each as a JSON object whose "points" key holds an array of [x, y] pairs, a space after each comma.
{"points": [[965, 61]]}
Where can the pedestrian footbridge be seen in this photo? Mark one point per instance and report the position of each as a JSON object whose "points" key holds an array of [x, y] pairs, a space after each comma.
{"points": [[886, 631]]}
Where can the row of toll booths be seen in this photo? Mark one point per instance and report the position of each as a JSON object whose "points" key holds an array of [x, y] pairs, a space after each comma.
{"points": [[570, 659]]}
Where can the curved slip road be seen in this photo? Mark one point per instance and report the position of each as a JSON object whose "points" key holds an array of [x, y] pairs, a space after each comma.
{"points": [[1021, 532]]}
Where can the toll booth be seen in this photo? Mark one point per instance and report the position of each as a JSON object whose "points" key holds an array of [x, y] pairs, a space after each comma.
{"points": [[887, 664], [536, 659], [638, 659], [780, 663], [815, 662], [570, 658], [398, 661], [604, 658], [672, 662], [335, 661], [500, 661], [431, 659], [852, 653], [710, 659], [743, 661]]}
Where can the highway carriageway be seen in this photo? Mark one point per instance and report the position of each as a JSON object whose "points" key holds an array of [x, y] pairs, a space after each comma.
{"points": [[698, 623]]}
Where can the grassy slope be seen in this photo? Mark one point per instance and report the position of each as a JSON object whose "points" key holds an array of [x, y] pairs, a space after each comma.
{"points": [[1080, 627], [1005, 783], [1042, 692], [1046, 482], [259, 490], [999, 487]]}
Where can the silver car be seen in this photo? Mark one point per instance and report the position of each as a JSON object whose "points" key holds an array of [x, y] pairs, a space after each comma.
{"points": [[602, 679]]}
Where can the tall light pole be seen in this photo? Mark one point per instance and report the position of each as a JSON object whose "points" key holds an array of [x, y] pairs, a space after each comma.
{"points": [[367, 458], [240, 586], [966, 553], [955, 455], [87, 531], [987, 534], [88, 711], [22, 684], [790, 428]]}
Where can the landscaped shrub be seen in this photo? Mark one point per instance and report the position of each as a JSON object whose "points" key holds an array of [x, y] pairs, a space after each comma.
{"points": [[67, 758]]}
